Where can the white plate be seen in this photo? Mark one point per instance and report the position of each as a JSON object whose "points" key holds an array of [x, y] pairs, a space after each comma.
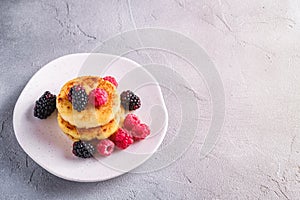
{"points": [[44, 142]]}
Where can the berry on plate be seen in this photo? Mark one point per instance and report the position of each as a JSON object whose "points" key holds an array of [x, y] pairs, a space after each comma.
{"points": [[140, 132], [98, 97], [130, 121], [105, 147], [130, 101], [78, 97], [83, 149], [45, 105], [112, 80], [122, 138]]}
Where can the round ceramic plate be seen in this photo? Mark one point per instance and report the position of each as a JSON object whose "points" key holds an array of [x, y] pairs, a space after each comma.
{"points": [[45, 143]]}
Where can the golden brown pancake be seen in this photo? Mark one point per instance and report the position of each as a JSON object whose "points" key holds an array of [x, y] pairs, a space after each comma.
{"points": [[100, 132], [90, 116]]}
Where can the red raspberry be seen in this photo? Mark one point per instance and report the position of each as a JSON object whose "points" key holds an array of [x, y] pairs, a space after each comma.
{"points": [[140, 132], [98, 97], [122, 138], [130, 121], [105, 147], [111, 79]]}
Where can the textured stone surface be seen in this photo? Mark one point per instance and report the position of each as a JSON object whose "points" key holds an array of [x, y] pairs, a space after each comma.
{"points": [[255, 46]]}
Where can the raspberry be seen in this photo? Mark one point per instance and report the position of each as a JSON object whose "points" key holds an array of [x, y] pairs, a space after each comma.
{"points": [[105, 147], [111, 79], [77, 95], [130, 121], [140, 132], [45, 105], [122, 139], [98, 97], [83, 149], [130, 101]]}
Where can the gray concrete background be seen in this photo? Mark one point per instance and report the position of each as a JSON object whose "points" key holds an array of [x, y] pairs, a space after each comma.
{"points": [[255, 46]]}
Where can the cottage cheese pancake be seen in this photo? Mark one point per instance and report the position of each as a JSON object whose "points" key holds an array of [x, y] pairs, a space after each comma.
{"points": [[91, 116], [100, 132]]}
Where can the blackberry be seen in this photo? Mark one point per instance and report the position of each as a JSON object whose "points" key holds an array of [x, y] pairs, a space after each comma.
{"points": [[45, 105], [83, 149], [77, 95], [130, 101]]}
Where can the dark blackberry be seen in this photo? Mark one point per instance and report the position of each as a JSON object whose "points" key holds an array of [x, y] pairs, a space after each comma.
{"points": [[45, 105], [83, 149], [77, 95], [135, 103], [130, 101]]}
